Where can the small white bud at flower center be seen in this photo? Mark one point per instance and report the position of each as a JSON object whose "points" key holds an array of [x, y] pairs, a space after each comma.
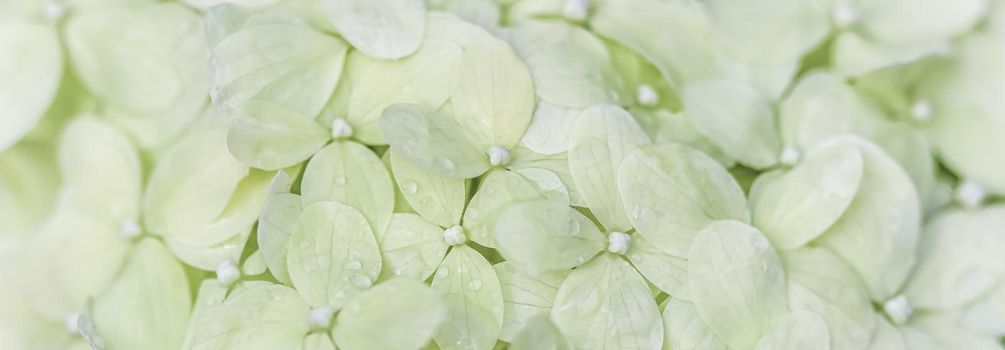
{"points": [[970, 194], [227, 273], [454, 235], [498, 156], [647, 95], [921, 111], [618, 242], [844, 15], [575, 9], [898, 309], [320, 317], [341, 129], [71, 323], [789, 156], [129, 229], [53, 10]]}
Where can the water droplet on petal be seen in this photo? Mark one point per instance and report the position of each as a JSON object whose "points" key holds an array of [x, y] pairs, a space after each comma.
{"points": [[443, 272], [340, 181], [353, 265], [409, 187], [446, 164], [475, 284], [361, 281]]}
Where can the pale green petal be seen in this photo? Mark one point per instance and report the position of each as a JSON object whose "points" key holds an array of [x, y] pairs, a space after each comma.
{"points": [[352, 174], [261, 318], [318, 341], [854, 55], [878, 233], [31, 70], [420, 78], [736, 118], [206, 4], [685, 329], [909, 21], [524, 297], [606, 304], [282, 61], [672, 192], [665, 271], [548, 132], [886, 337], [549, 185], [433, 141], [385, 29], [737, 282], [101, 170], [276, 224], [191, 184], [412, 247], [145, 68], [491, 93], [680, 49], [273, 136], [569, 65], [800, 330], [819, 282], [546, 235], [473, 298], [436, 198], [539, 334], [557, 164], [959, 259], [152, 280], [499, 191], [396, 315], [604, 135], [912, 148], [29, 178], [211, 294], [333, 255], [664, 126], [792, 28], [794, 207], [942, 331], [969, 117], [822, 105], [484, 13]]}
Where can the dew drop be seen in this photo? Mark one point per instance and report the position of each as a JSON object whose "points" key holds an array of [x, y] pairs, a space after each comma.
{"points": [[446, 164], [409, 187], [443, 272], [574, 226], [353, 265], [475, 284], [340, 181]]}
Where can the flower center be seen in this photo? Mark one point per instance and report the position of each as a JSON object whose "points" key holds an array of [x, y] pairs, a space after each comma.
{"points": [[845, 15], [647, 95], [575, 9], [789, 156], [454, 235], [970, 194], [898, 309], [320, 317], [921, 110], [341, 129], [71, 323], [129, 229], [227, 273], [498, 156], [618, 242]]}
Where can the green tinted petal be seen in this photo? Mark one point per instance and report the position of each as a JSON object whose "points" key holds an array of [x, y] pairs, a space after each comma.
{"points": [[101, 170], [473, 298], [152, 280], [276, 224], [557, 164], [736, 118], [191, 184], [794, 207], [433, 141], [672, 192], [942, 331], [144, 69], [484, 13], [823, 105], [603, 136], [548, 132], [886, 337], [333, 255], [665, 271], [281, 61], [420, 78], [397, 314], [386, 29], [819, 282], [664, 126], [436, 198], [31, 77], [902, 21], [211, 294], [797, 331], [273, 136], [260, 318], [496, 193], [412, 247], [539, 334], [606, 304], [318, 341], [352, 174], [878, 232], [959, 259], [737, 282], [685, 329], [546, 235], [854, 55], [491, 93], [792, 28], [525, 297]]}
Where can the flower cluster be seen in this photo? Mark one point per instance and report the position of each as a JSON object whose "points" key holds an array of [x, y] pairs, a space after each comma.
{"points": [[502, 174]]}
